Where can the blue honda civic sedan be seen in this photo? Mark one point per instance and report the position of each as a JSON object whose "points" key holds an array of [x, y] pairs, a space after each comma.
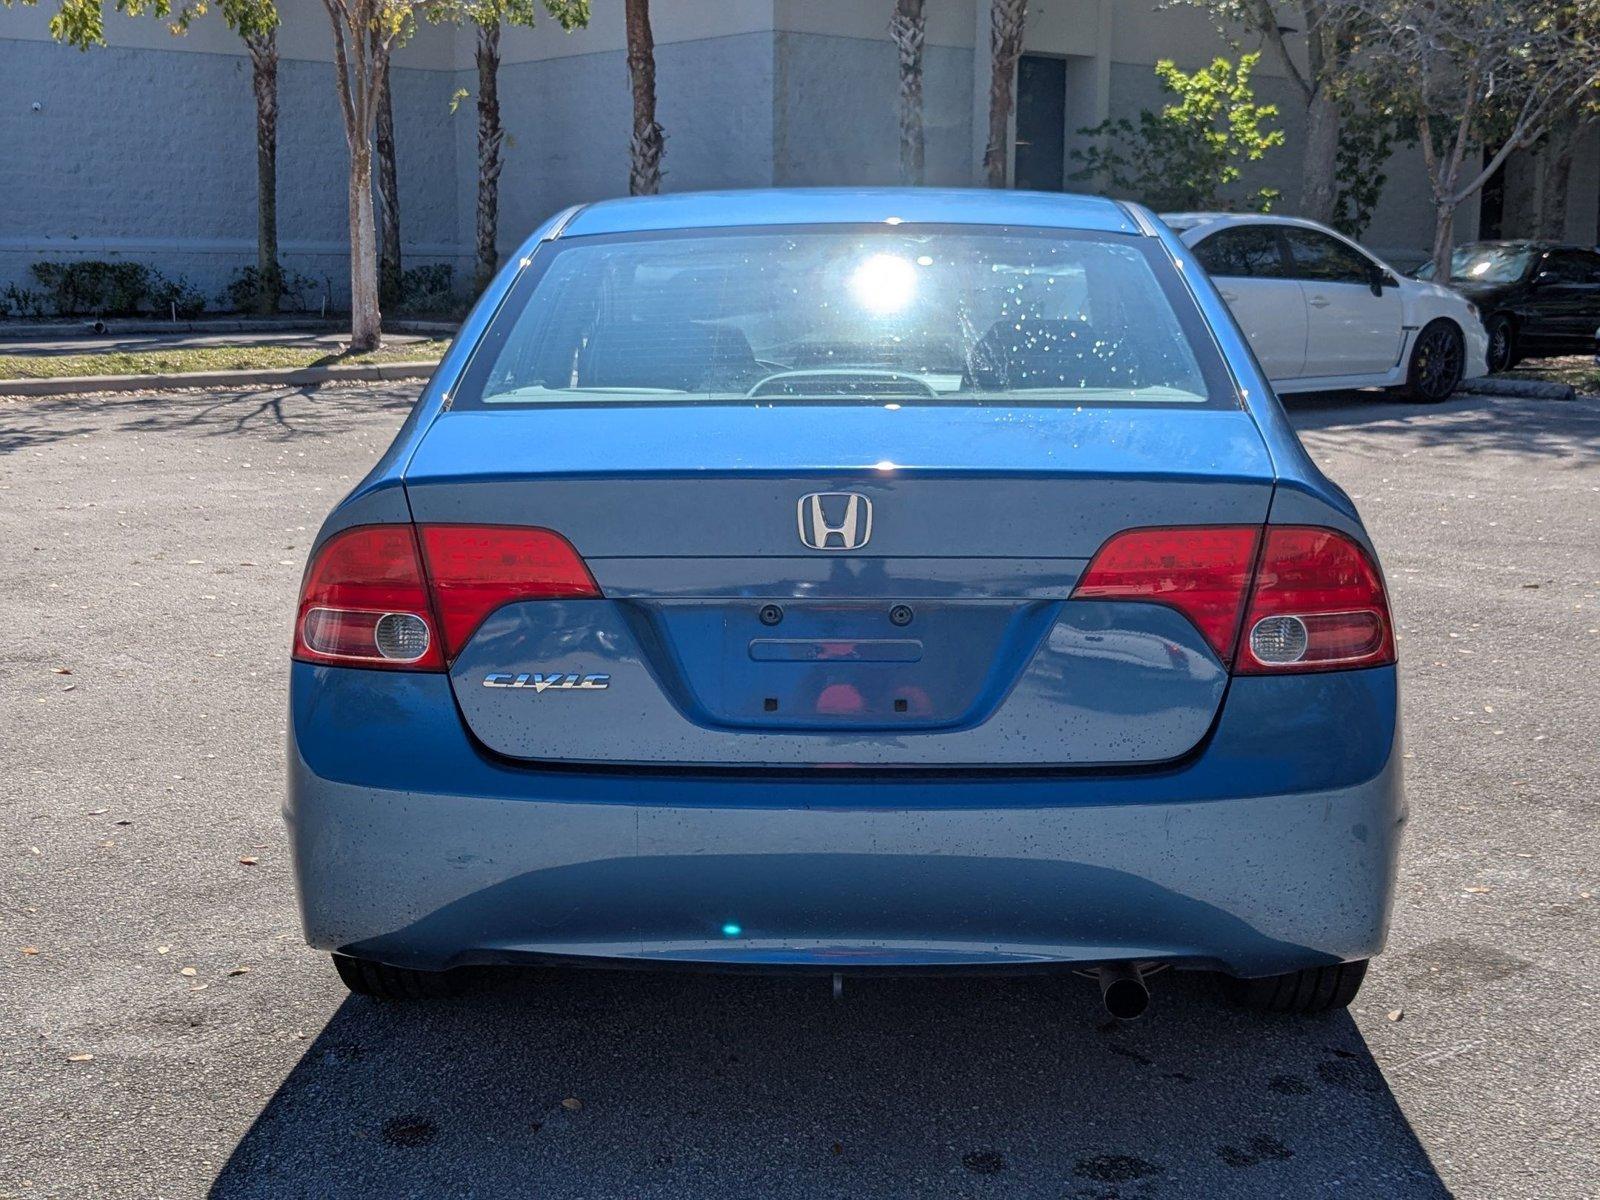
{"points": [[848, 581]]}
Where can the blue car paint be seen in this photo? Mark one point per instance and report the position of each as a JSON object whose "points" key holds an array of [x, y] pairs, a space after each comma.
{"points": [[1269, 847], [851, 206], [1002, 683]]}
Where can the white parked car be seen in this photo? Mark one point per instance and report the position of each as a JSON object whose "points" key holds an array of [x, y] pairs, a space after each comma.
{"points": [[1324, 314]]}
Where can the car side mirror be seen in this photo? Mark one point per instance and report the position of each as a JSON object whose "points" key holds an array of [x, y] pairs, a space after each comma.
{"points": [[1382, 279]]}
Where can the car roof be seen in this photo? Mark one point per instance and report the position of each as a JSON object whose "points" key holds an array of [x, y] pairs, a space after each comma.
{"points": [[835, 206], [1185, 221], [1526, 244]]}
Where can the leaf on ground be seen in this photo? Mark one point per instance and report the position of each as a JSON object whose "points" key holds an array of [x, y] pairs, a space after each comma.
{"points": [[95, 812], [188, 971], [572, 1104], [163, 949], [1394, 1014], [61, 670], [30, 951], [240, 971], [80, 1058], [1476, 891], [248, 860]]}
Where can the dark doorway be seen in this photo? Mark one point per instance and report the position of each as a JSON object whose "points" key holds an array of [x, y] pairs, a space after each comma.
{"points": [[1041, 123], [1492, 205]]}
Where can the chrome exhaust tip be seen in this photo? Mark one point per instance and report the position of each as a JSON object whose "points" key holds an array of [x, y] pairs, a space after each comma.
{"points": [[1122, 991]]}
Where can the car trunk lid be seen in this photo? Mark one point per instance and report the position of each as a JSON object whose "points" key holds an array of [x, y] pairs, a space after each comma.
{"points": [[940, 635]]}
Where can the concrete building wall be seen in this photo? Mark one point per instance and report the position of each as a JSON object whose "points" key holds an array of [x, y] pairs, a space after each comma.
{"points": [[835, 116], [145, 150]]}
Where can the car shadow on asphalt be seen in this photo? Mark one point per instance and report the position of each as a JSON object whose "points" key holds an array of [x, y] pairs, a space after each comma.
{"points": [[1467, 423], [599, 1083]]}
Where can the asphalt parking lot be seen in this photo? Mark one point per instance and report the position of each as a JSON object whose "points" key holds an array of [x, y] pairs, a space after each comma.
{"points": [[163, 1033]]}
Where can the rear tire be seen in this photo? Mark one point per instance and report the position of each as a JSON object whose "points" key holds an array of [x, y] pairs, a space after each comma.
{"points": [[1438, 361], [1502, 344], [383, 982], [1313, 990]]}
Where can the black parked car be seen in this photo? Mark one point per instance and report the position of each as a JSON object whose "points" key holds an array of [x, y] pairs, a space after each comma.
{"points": [[1537, 298]]}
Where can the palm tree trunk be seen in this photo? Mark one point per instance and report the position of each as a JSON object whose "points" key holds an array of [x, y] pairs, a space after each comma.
{"points": [[263, 48], [389, 265], [1006, 19], [908, 28], [644, 168], [491, 137]]}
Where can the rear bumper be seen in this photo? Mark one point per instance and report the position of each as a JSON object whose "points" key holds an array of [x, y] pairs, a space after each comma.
{"points": [[1273, 848]]}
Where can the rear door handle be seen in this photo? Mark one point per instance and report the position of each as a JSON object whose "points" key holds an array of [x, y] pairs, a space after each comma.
{"points": [[1230, 297], [1319, 302]]}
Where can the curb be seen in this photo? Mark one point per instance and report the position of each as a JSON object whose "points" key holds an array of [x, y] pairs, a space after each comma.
{"points": [[1524, 389], [82, 385], [22, 331]]}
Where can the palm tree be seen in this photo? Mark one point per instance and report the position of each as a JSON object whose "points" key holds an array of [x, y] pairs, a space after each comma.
{"points": [[644, 168], [389, 264], [908, 28], [491, 140], [1006, 19], [488, 15]]}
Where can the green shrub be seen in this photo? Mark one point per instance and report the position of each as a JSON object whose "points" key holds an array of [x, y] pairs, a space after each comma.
{"points": [[112, 289], [428, 289], [91, 288], [22, 302], [1183, 157], [243, 292], [176, 297]]}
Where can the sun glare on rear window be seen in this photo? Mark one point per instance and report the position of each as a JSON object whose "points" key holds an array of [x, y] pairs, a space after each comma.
{"points": [[963, 315]]}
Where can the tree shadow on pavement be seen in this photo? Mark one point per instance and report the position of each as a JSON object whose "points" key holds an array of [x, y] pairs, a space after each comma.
{"points": [[1466, 424], [601, 1084], [273, 414]]}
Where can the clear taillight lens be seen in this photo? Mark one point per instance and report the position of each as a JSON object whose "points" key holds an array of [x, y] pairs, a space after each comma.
{"points": [[404, 598], [1322, 581], [1313, 602], [365, 603]]}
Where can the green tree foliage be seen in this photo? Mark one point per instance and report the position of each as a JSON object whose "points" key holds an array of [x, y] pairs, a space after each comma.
{"points": [[1367, 139], [1322, 67], [82, 23], [1189, 153]]}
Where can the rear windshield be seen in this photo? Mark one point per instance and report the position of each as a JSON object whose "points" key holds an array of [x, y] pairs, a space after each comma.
{"points": [[965, 315]]}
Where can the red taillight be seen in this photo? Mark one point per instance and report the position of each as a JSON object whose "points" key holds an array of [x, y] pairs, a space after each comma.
{"points": [[1202, 571], [1317, 602], [475, 569], [367, 600], [365, 603]]}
